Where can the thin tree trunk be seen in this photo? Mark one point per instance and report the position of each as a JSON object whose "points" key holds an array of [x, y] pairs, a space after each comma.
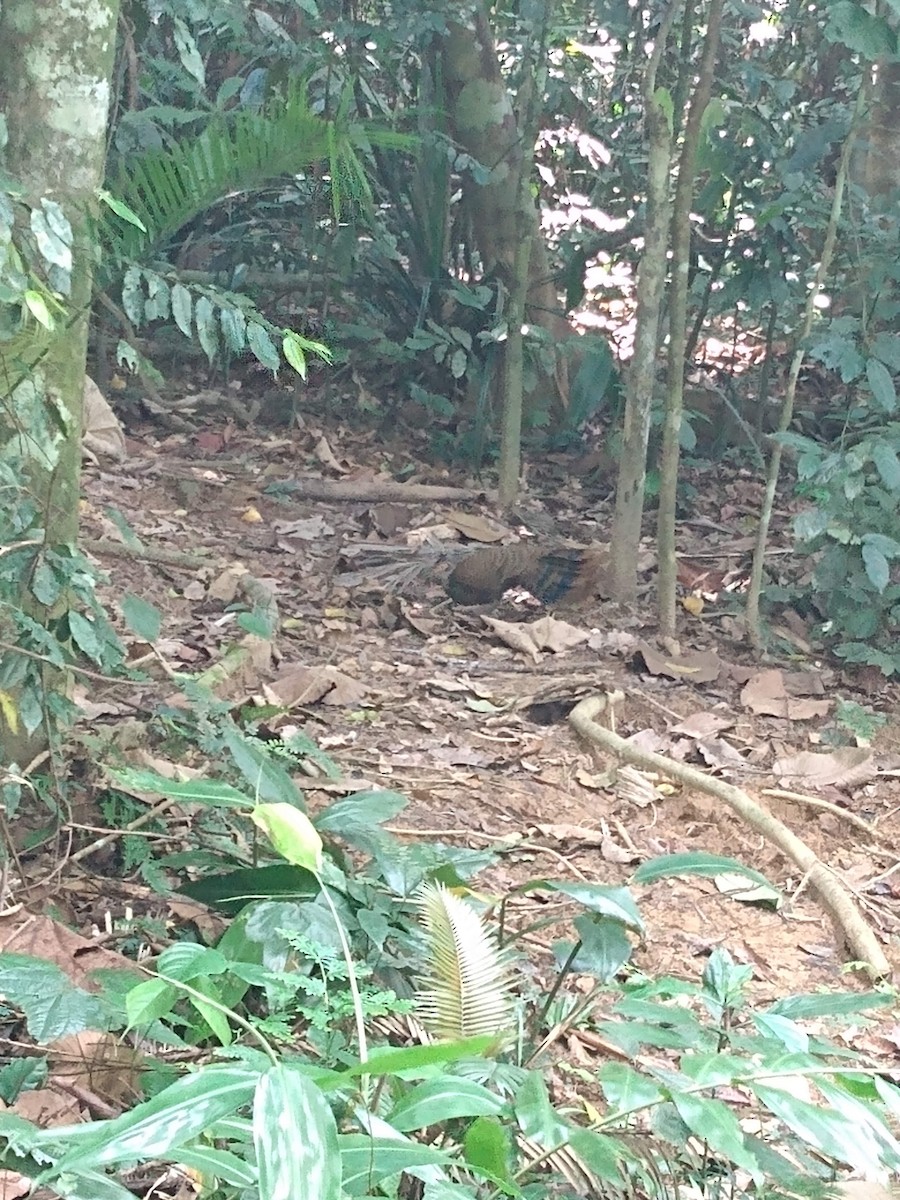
{"points": [[641, 375], [681, 254]]}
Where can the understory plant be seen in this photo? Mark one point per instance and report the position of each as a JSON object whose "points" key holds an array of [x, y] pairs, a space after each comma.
{"points": [[290, 1022]]}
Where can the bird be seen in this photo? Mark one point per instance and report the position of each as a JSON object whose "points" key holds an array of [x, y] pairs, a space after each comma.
{"points": [[552, 574]]}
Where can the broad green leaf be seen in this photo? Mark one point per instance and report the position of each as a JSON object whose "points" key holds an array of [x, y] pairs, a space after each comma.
{"points": [[231, 892], [443, 1099], [417, 1058], [877, 566], [366, 1161], [830, 1004], [190, 56], [52, 1004], [295, 1137], [821, 1128], [882, 384], [858, 30], [182, 308], [614, 902], [149, 1001], [705, 865], [46, 585], [186, 961], [715, 1123], [604, 948], [488, 1147], [888, 546], [292, 349], [84, 635], [133, 296], [536, 1115], [37, 306], [122, 210], [627, 1090], [211, 1013], [715, 1070], [234, 329], [884, 456], [218, 1164], [158, 1127], [207, 329], [141, 617], [267, 777], [603, 1156], [291, 833], [156, 306], [197, 791], [262, 346]]}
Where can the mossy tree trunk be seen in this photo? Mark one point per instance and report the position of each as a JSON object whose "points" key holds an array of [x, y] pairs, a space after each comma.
{"points": [[486, 125], [56, 62]]}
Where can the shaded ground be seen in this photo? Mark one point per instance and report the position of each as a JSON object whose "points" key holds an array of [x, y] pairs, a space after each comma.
{"points": [[418, 695]]}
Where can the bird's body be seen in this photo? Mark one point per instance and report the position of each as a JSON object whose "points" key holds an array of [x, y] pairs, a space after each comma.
{"points": [[552, 575]]}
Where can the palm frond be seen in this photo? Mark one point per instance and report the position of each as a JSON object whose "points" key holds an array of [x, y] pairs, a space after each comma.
{"points": [[466, 989], [237, 152]]}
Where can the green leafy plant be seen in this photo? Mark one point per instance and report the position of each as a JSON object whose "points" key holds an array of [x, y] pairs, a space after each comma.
{"points": [[850, 527]]}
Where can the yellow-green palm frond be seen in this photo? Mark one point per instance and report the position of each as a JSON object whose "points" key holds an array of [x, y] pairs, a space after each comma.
{"points": [[466, 988]]}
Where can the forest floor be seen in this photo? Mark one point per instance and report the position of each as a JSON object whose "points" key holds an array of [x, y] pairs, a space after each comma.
{"points": [[407, 692]]}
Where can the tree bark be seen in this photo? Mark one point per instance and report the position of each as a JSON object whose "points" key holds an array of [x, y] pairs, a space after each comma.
{"points": [[640, 378], [56, 61], [485, 125]]}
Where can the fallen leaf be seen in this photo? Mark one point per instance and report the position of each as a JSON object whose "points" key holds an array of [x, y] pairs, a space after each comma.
{"points": [[702, 666], [475, 527], [703, 724], [847, 767], [313, 685], [767, 694]]}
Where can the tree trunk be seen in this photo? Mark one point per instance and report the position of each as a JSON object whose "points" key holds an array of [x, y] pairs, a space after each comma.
{"points": [[640, 378], [55, 65], [485, 125]]}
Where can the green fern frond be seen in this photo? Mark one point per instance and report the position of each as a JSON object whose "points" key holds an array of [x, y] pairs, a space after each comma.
{"points": [[239, 152], [467, 989]]}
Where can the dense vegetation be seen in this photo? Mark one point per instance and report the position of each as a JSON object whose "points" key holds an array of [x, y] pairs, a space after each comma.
{"points": [[521, 232]]}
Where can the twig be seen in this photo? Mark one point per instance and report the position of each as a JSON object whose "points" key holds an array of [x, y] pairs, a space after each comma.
{"points": [[145, 818], [826, 806]]}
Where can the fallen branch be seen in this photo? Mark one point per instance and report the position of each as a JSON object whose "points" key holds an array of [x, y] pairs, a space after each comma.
{"points": [[370, 490], [834, 898], [158, 554]]}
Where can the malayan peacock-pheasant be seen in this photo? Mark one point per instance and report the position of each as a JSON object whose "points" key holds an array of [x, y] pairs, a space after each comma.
{"points": [[553, 575]]}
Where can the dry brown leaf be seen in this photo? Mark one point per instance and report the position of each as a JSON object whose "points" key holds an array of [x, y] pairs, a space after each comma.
{"points": [[103, 436], [52, 941], [98, 1062], [703, 724], [48, 1108], [847, 767], [546, 634], [325, 455], [769, 693], [313, 685], [304, 529], [475, 527], [702, 666], [12, 1184], [224, 587], [388, 518]]}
